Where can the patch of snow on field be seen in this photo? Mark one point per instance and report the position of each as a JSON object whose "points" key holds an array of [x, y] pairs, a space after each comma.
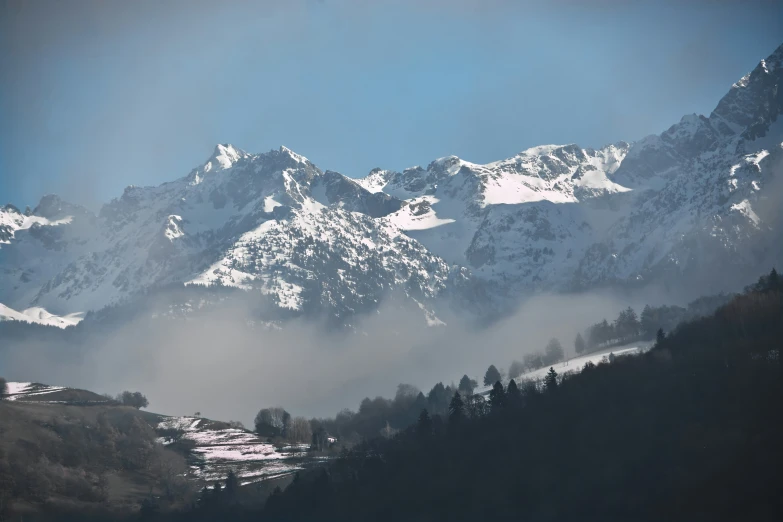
{"points": [[220, 450], [574, 365], [20, 390]]}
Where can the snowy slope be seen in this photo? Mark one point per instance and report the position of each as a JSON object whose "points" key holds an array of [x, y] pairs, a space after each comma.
{"points": [[25, 390], [313, 241], [219, 449], [39, 315], [574, 365], [47, 394], [693, 209]]}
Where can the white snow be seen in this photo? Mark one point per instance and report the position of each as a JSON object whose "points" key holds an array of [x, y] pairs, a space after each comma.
{"points": [[173, 229], [574, 365], [373, 182], [514, 189], [270, 204], [16, 221], [745, 209], [540, 150], [222, 449], [227, 155], [39, 315], [20, 390], [297, 157], [407, 219]]}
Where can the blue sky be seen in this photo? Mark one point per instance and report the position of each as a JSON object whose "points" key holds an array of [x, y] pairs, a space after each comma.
{"points": [[95, 96]]}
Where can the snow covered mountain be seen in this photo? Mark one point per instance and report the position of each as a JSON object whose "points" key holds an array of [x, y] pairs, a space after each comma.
{"points": [[696, 209], [311, 240]]}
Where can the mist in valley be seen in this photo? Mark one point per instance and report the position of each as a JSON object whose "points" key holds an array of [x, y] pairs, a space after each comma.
{"points": [[227, 364]]}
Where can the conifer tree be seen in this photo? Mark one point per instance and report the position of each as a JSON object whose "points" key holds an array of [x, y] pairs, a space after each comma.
{"points": [[424, 424], [492, 375], [513, 395], [497, 396], [550, 381], [456, 408], [579, 344], [466, 386], [773, 281], [659, 337]]}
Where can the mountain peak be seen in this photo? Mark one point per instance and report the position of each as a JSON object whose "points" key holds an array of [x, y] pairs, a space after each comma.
{"points": [[224, 156], [753, 98], [293, 155], [540, 150]]}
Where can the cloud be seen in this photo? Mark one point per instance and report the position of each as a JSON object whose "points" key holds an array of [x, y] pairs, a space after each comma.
{"points": [[219, 365]]}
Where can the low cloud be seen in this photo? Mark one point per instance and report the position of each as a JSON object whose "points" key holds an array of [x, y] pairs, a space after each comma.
{"points": [[221, 366]]}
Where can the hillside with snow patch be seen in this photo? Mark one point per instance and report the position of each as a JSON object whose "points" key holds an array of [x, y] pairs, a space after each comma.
{"points": [[219, 449]]}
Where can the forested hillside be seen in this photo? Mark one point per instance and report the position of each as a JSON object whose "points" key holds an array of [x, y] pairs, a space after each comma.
{"points": [[690, 430]]}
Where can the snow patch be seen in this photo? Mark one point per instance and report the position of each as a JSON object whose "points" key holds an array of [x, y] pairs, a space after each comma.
{"points": [[38, 315], [744, 208]]}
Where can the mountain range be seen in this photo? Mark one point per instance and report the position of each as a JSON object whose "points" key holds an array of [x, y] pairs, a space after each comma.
{"points": [[693, 210]]}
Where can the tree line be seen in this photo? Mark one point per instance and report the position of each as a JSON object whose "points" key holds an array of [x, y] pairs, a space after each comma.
{"points": [[630, 327]]}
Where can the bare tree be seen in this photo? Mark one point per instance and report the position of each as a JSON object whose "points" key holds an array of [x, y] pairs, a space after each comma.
{"points": [[516, 369], [300, 430], [169, 470], [272, 422]]}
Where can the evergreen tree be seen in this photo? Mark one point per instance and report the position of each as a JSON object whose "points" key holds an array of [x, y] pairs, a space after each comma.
{"points": [[513, 395], [438, 399], [492, 375], [579, 344], [659, 337], [774, 281], [420, 403], [3, 387], [466, 386], [550, 381], [497, 396], [424, 425], [456, 409]]}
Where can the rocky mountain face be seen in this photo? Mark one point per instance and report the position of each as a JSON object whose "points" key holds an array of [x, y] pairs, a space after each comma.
{"points": [[695, 209]]}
